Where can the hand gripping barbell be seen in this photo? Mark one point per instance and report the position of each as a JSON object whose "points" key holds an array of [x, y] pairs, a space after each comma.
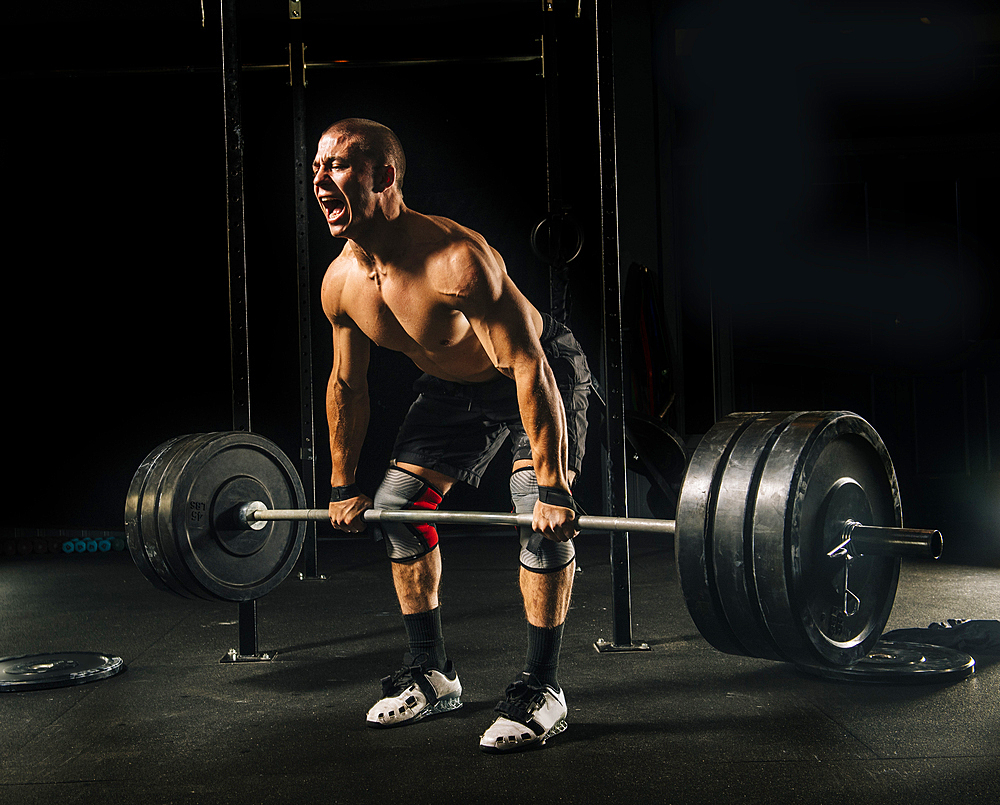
{"points": [[788, 534]]}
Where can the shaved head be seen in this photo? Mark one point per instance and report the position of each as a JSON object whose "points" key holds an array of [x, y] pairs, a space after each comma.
{"points": [[377, 144]]}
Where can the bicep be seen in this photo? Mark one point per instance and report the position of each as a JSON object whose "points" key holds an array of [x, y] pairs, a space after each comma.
{"points": [[503, 320], [351, 351], [351, 346]]}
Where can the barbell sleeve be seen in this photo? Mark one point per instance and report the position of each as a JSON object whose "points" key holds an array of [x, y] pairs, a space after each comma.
{"points": [[892, 541]]}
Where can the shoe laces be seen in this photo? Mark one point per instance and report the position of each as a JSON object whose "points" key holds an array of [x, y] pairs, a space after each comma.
{"points": [[411, 673], [522, 698]]}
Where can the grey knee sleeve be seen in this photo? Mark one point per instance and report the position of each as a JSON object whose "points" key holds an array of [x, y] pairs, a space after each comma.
{"points": [[550, 556], [404, 490]]}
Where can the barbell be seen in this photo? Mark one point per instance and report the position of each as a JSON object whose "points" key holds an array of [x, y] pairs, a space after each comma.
{"points": [[788, 533], [884, 541]]}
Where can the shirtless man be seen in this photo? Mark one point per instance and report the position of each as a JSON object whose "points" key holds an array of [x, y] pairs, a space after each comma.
{"points": [[437, 292]]}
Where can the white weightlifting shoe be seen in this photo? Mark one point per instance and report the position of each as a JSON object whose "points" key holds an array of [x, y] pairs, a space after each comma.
{"points": [[415, 692], [530, 714]]}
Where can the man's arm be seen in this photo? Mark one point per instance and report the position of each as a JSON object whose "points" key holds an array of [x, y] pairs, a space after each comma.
{"points": [[503, 320], [347, 412]]}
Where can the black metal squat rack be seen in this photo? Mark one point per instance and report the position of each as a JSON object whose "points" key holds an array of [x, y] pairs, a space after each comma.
{"points": [[557, 254]]}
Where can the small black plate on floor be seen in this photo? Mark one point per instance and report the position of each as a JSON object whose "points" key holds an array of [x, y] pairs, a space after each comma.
{"points": [[895, 663], [58, 670]]}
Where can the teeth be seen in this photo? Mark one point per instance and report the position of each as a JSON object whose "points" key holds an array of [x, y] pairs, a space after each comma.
{"points": [[333, 208]]}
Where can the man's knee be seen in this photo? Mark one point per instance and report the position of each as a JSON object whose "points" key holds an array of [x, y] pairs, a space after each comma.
{"points": [[401, 489], [537, 556]]}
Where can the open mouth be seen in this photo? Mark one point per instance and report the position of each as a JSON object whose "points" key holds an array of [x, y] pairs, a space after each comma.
{"points": [[334, 208]]}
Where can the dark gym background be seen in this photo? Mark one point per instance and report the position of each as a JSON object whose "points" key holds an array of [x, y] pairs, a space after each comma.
{"points": [[812, 184]]}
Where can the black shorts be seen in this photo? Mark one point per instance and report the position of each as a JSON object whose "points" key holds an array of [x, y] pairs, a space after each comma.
{"points": [[458, 428]]}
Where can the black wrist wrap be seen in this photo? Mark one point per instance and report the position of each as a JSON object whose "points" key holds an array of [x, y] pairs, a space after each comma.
{"points": [[554, 496], [338, 494]]}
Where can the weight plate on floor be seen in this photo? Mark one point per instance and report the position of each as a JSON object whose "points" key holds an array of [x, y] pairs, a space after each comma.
{"points": [[205, 546], [732, 536], [824, 465], [59, 670], [693, 546], [903, 664]]}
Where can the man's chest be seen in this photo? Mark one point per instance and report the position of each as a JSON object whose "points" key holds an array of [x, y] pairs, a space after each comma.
{"points": [[405, 316]]}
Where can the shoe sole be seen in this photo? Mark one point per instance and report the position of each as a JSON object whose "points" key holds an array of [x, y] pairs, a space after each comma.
{"points": [[445, 705], [524, 746]]}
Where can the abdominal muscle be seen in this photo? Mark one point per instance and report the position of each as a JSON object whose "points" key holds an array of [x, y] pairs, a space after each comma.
{"points": [[463, 362]]}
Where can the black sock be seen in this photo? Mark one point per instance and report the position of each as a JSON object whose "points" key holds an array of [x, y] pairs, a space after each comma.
{"points": [[543, 654], [425, 636]]}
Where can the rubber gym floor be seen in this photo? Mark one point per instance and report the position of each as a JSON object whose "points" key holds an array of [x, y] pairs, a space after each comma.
{"points": [[681, 723]]}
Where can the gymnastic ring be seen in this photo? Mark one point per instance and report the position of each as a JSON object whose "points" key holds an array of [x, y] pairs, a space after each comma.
{"points": [[557, 259]]}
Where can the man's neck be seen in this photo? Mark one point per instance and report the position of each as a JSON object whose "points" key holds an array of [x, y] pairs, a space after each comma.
{"points": [[382, 242]]}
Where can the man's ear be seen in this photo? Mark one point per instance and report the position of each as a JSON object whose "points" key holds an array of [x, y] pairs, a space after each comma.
{"points": [[385, 176]]}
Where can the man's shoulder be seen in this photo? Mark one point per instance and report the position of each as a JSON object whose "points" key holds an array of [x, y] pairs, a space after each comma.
{"points": [[343, 259], [334, 280], [450, 247], [446, 235], [340, 267]]}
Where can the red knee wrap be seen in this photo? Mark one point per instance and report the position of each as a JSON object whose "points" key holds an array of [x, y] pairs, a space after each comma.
{"points": [[430, 500]]}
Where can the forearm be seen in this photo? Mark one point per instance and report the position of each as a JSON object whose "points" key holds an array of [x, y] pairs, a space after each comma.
{"points": [[544, 423], [347, 411]]}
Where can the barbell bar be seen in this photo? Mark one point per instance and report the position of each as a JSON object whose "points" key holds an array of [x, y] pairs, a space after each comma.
{"points": [[862, 539], [788, 534], [256, 513]]}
